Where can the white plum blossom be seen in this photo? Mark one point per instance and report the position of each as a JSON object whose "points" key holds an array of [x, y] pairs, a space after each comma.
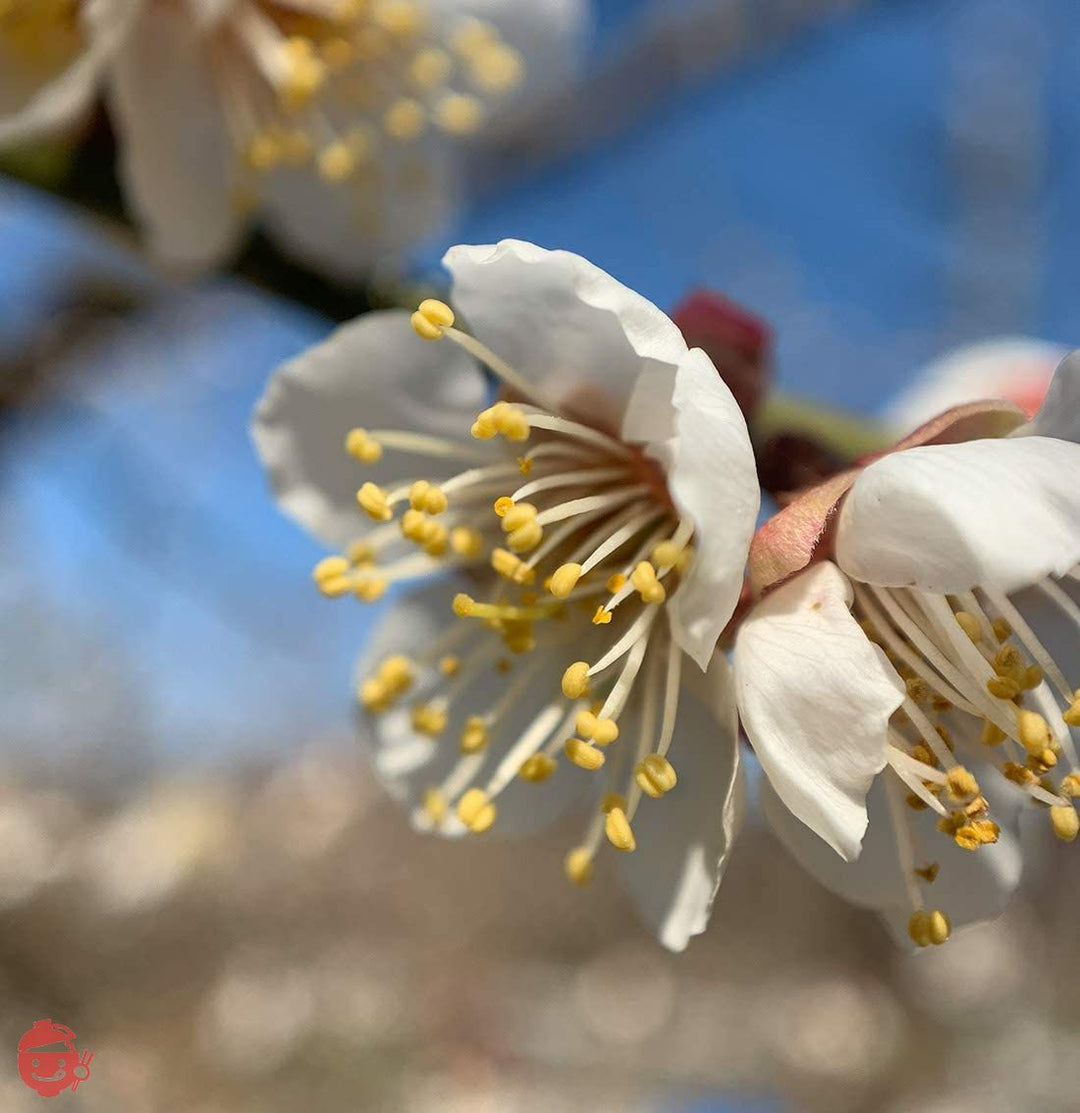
{"points": [[576, 534], [342, 123], [901, 695]]}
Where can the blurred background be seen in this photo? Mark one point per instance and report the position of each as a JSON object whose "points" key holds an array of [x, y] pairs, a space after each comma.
{"points": [[197, 872]]}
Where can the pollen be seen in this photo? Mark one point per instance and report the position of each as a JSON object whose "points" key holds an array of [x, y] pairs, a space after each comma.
{"points": [[450, 665], [601, 617], [370, 589], [1065, 822], [430, 68], [582, 754], [618, 830], [476, 811], [1072, 715], [604, 731], [666, 554], [512, 567], [427, 497], [1034, 731], [1003, 687], [564, 579], [336, 162], [537, 768], [575, 680], [970, 625], [655, 776], [374, 503], [474, 735], [429, 719], [928, 928], [991, 734], [961, 783], [459, 114], [431, 318], [435, 806], [466, 542], [331, 576], [578, 865], [360, 444], [405, 120], [615, 582], [646, 583], [463, 605]]}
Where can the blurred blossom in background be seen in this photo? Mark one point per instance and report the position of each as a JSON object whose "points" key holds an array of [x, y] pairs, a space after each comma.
{"points": [[198, 874]]}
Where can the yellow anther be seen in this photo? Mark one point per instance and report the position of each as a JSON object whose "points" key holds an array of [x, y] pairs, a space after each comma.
{"points": [[1064, 820], [485, 427], [578, 865], [1034, 731], [921, 752], [666, 554], [987, 830], [373, 501], [517, 515], [431, 318], [334, 587], [928, 873], [336, 162], [466, 542], [575, 681], [1072, 716], [646, 584], [604, 731], [1043, 761], [337, 52], [329, 568], [361, 553], [430, 68], [264, 152], [474, 735], [582, 754], [435, 805], [1003, 687], [512, 567], [916, 803], [427, 497], [967, 838], [404, 18], [1018, 774], [537, 768], [618, 830], [585, 724], [428, 719], [615, 582], [503, 505], [496, 67], [525, 465], [564, 580], [992, 734], [374, 695], [504, 665], [450, 665], [655, 776], [1070, 785], [526, 537], [458, 114], [970, 625], [917, 689], [1032, 678], [961, 783], [405, 121], [397, 670], [370, 589], [304, 73], [348, 11], [361, 445], [473, 35], [463, 605], [1002, 629], [1009, 661], [938, 928], [601, 617], [476, 811]]}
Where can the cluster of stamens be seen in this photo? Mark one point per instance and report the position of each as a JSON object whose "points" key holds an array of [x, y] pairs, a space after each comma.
{"points": [[587, 542], [343, 85], [981, 684]]}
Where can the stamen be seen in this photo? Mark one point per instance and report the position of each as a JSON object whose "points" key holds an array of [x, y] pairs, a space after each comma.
{"points": [[576, 478], [498, 367]]}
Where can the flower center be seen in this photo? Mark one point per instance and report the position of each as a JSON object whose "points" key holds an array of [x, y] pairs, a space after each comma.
{"points": [[572, 548], [353, 84], [981, 686]]}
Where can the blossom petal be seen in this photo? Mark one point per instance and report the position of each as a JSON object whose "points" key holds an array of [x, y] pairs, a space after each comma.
{"points": [[946, 518], [1059, 415], [348, 229], [684, 840], [563, 323], [713, 480], [408, 763], [175, 156], [971, 886], [815, 697], [30, 106], [376, 373]]}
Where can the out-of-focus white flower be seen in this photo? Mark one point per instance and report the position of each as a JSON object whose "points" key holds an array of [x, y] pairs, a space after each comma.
{"points": [[1015, 368], [900, 700], [591, 532], [343, 122]]}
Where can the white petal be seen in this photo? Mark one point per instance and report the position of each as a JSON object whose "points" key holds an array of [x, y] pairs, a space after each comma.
{"points": [[32, 103], [563, 323], [373, 373], [1016, 368], [175, 156], [815, 698], [1059, 415], [685, 838], [347, 230], [408, 764], [971, 886], [945, 518], [713, 480]]}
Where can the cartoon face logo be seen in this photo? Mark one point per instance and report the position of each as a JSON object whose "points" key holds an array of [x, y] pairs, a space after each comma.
{"points": [[48, 1060]]}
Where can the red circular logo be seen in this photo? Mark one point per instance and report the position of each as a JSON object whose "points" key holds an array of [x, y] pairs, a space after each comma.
{"points": [[49, 1061]]}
